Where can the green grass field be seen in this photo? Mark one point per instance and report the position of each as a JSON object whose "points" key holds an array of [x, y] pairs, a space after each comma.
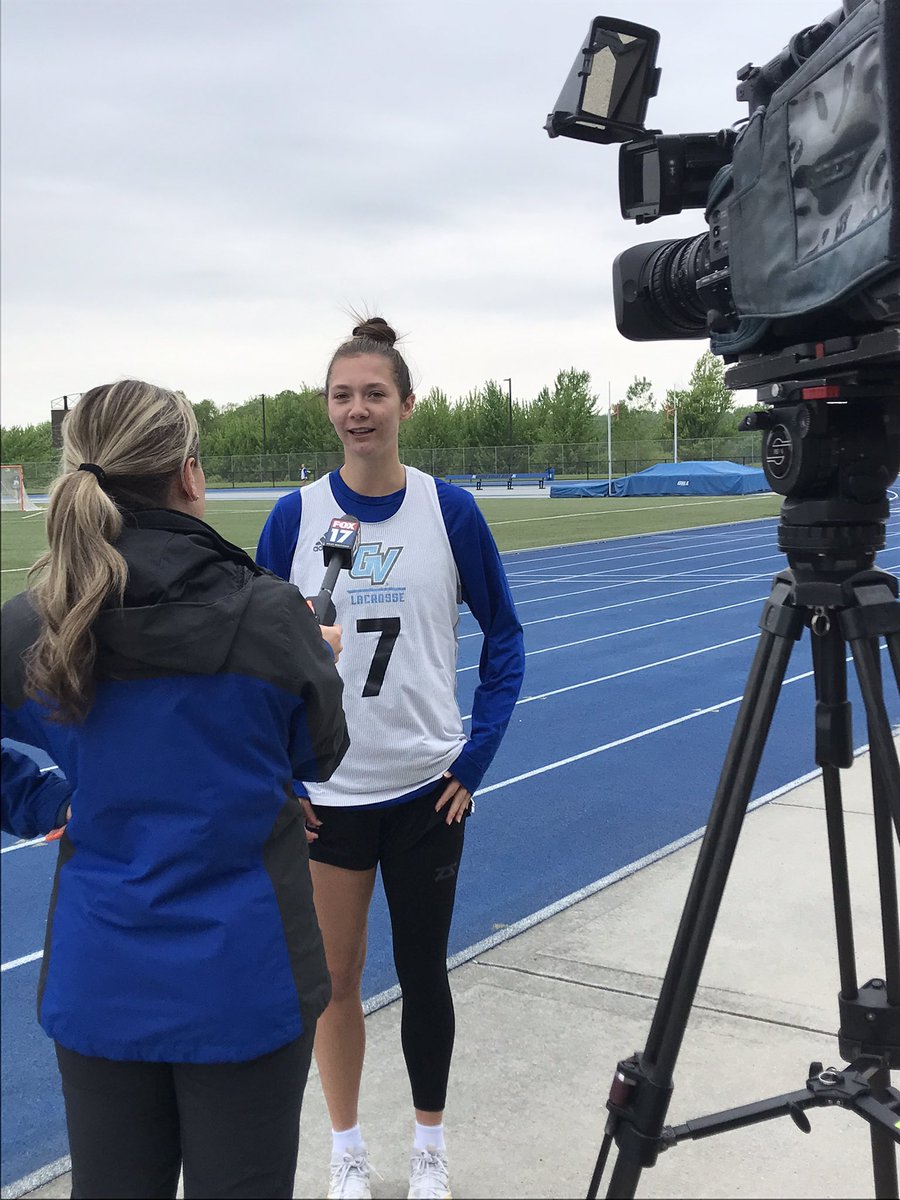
{"points": [[516, 524]]}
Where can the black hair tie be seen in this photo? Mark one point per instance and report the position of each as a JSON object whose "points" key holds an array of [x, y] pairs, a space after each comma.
{"points": [[95, 470]]}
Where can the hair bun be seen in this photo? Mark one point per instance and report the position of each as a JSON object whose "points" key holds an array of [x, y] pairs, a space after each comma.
{"points": [[376, 329]]}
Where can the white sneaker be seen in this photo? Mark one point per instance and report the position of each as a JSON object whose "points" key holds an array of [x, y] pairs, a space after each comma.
{"points": [[350, 1176], [429, 1175]]}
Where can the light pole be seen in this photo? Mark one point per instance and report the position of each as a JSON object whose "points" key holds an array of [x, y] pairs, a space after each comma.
{"points": [[509, 426], [609, 438], [262, 401], [675, 430]]}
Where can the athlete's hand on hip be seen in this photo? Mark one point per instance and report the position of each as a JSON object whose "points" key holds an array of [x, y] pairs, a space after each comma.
{"points": [[455, 798], [310, 818]]}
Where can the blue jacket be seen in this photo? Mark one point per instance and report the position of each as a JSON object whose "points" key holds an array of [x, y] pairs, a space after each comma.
{"points": [[181, 925], [33, 801]]}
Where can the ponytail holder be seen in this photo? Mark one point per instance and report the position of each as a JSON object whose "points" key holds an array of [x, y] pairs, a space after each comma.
{"points": [[95, 470]]}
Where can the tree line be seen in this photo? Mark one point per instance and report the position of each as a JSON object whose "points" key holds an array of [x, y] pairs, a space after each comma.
{"points": [[566, 413]]}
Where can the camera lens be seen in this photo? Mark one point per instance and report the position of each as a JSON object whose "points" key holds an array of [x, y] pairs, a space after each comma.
{"points": [[655, 289], [672, 284]]}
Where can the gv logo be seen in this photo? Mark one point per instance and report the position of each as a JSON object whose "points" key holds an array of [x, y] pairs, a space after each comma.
{"points": [[371, 563]]}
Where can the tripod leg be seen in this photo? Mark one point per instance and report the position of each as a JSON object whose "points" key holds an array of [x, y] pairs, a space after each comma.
{"points": [[868, 671], [885, 789], [884, 1155], [782, 624], [834, 749], [884, 1152]]}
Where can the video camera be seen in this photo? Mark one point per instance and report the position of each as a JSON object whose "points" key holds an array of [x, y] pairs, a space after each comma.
{"points": [[796, 281], [797, 284]]}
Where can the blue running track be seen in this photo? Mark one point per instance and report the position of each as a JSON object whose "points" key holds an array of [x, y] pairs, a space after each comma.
{"points": [[638, 651]]}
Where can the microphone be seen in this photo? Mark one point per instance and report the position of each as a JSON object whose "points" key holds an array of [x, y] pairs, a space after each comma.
{"points": [[339, 547]]}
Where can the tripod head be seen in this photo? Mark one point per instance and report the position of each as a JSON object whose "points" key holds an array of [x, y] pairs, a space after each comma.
{"points": [[831, 447]]}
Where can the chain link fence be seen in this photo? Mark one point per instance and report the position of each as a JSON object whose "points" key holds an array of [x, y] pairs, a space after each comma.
{"points": [[584, 460]]}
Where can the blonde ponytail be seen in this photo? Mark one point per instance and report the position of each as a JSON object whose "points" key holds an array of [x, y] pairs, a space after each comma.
{"points": [[123, 445]]}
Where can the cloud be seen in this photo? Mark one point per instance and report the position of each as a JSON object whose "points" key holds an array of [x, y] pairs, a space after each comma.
{"points": [[198, 192]]}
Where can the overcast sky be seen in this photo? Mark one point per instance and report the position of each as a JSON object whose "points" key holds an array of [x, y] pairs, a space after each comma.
{"points": [[196, 191]]}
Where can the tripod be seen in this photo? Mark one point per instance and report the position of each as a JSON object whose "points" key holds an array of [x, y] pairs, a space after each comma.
{"points": [[833, 590]]}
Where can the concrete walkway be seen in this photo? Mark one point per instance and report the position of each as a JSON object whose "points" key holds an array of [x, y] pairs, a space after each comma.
{"points": [[543, 1019]]}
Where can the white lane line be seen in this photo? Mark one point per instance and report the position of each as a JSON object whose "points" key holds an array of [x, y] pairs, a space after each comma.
{"points": [[661, 577], [38, 841], [574, 687], [510, 931], [641, 560], [630, 603], [662, 662], [675, 577], [584, 612], [20, 962], [611, 587], [632, 737], [612, 551], [599, 637], [654, 556]]}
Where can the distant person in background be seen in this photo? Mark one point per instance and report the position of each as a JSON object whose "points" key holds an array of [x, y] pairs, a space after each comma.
{"points": [[181, 689], [304, 472], [401, 797]]}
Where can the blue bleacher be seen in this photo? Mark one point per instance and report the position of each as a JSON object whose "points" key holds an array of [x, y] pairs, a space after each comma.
{"points": [[510, 478]]}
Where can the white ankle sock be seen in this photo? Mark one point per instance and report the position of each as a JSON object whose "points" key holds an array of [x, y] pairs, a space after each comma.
{"points": [[429, 1135], [346, 1139]]}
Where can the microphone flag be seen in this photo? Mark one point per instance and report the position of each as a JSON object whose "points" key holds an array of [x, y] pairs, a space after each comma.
{"points": [[338, 550]]}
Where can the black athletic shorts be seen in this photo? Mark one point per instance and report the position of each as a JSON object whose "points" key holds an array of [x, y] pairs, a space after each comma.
{"points": [[356, 838]]}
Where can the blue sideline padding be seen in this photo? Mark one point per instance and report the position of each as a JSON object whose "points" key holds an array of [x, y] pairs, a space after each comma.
{"points": [[675, 479], [582, 487]]}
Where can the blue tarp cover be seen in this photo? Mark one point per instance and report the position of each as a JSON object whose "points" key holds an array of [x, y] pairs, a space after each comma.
{"points": [[674, 479]]}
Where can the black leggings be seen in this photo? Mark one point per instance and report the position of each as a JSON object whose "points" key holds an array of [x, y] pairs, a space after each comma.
{"points": [[234, 1127], [419, 855]]}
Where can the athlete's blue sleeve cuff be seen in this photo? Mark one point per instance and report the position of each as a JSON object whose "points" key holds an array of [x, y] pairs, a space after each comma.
{"points": [[467, 772]]}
